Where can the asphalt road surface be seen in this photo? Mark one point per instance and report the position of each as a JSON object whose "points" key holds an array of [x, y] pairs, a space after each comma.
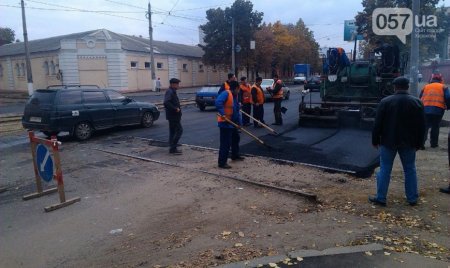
{"points": [[339, 149]]}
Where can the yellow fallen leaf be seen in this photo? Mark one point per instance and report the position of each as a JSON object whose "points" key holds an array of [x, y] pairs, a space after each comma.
{"points": [[237, 245], [241, 234], [299, 259], [387, 253], [368, 253], [226, 233], [273, 265]]}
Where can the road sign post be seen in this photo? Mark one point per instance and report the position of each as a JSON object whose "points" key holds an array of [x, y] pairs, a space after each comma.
{"points": [[47, 168]]}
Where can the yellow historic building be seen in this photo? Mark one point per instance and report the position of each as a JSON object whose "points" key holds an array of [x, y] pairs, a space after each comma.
{"points": [[103, 58]]}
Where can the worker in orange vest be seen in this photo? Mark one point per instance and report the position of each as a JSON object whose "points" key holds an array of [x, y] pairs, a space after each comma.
{"points": [[228, 109], [436, 99], [226, 84], [277, 95], [245, 96], [258, 102]]}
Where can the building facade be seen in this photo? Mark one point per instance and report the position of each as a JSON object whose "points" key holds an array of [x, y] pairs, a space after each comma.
{"points": [[106, 59]]}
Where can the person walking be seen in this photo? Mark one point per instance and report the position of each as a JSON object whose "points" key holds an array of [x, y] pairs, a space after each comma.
{"points": [[447, 189], [399, 128], [277, 95], [246, 100], [258, 102], [173, 115], [436, 98], [228, 108], [158, 85]]}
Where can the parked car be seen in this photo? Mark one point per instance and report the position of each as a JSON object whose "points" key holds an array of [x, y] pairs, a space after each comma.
{"points": [[268, 83], [313, 83], [206, 96], [299, 79], [81, 110]]}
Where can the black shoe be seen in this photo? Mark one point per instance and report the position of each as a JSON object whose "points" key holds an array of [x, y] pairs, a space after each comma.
{"points": [[422, 148], [237, 158], [374, 200], [434, 146], [445, 190], [225, 166], [412, 204], [176, 151]]}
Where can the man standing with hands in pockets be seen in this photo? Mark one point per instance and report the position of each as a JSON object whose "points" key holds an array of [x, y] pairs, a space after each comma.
{"points": [[173, 115]]}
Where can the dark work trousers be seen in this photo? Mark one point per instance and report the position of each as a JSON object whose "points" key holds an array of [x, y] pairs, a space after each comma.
{"points": [[175, 131], [433, 121], [258, 113], [247, 108], [229, 137], [277, 111]]}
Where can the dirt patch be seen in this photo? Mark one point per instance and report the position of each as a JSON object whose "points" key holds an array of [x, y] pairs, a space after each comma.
{"points": [[177, 217]]}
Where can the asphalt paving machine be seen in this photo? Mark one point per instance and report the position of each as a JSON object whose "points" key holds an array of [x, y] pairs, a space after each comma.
{"points": [[350, 91]]}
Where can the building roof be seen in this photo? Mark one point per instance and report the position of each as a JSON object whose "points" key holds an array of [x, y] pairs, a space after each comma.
{"points": [[129, 43]]}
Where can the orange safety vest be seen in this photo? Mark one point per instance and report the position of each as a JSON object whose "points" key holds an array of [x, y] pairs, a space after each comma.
{"points": [[246, 93], [226, 85], [433, 95], [227, 107], [279, 94], [259, 94]]}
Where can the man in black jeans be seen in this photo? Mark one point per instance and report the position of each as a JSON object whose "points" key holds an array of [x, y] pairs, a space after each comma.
{"points": [[173, 115]]}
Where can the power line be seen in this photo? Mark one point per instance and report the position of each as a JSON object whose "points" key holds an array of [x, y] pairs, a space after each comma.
{"points": [[206, 7], [72, 10], [125, 4], [171, 10]]}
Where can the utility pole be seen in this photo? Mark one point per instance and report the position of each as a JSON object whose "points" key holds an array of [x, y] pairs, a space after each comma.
{"points": [[27, 52], [150, 32], [414, 50], [233, 61]]}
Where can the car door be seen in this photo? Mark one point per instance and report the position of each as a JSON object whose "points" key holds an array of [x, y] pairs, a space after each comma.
{"points": [[68, 108], [126, 110], [98, 108]]}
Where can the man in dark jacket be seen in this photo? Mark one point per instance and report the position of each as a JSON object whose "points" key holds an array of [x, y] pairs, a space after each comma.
{"points": [[173, 115], [399, 128]]}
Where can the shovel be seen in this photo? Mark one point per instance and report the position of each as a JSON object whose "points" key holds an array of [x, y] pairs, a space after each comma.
{"points": [[261, 123], [246, 131]]}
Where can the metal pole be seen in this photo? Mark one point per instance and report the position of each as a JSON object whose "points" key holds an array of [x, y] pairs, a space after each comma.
{"points": [[414, 50], [27, 52], [152, 60], [233, 61], [354, 48]]}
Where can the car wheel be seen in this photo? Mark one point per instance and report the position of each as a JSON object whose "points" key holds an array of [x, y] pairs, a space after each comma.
{"points": [[83, 131], [201, 107], [50, 133], [288, 94], [147, 119]]}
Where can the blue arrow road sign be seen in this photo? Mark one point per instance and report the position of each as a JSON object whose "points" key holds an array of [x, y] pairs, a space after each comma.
{"points": [[44, 163]]}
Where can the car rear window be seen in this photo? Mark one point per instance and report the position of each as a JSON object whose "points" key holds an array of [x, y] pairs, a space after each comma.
{"points": [[43, 97], [210, 89], [115, 96], [70, 97], [94, 97]]}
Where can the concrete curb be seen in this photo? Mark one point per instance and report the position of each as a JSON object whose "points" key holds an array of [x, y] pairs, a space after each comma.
{"points": [[307, 254]]}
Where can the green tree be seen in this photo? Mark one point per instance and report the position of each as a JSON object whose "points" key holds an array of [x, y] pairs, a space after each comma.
{"points": [[218, 32], [7, 35]]}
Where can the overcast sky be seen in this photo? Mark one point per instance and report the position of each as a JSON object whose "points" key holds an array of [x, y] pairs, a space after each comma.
{"points": [[46, 18]]}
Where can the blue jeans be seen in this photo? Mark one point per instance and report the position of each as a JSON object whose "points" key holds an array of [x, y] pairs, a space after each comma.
{"points": [[229, 137], [408, 158]]}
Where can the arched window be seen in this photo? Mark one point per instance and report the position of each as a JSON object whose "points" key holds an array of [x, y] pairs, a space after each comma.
{"points": [[46, 70], [17, 70], [22, 69], [52, 68]]}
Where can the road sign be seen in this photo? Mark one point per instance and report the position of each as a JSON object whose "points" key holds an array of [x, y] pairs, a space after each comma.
{"points": [[350, 31], [238, 48], [44, 163]]}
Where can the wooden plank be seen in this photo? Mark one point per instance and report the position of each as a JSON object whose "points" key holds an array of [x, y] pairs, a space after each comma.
{"points": [[61, 205], [39, 194]]}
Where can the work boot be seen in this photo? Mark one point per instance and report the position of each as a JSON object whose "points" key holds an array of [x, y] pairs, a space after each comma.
{"points": [[225, 166], [237, 158], [176, 152], [445, 190], [375, 201]]}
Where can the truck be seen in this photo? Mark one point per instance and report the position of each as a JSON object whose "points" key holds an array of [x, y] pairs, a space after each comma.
{"points": [[301, 73]]}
